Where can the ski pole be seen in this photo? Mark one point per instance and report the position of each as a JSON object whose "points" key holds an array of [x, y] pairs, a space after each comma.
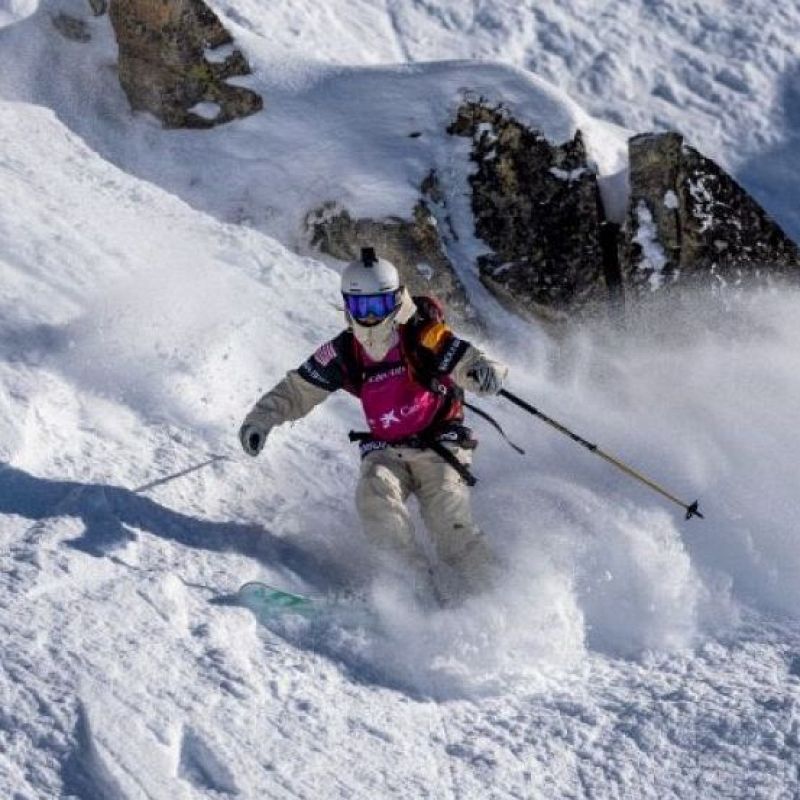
{"points": [[691, 509], [160, 481]]}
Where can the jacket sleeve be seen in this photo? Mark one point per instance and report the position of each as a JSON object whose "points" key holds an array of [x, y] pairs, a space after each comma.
{"points": [[302, 389], [289, 399], [449, 355]]}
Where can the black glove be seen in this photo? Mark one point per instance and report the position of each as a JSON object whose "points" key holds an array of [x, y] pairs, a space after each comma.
{"points": [[489, 377], [253, 436]]}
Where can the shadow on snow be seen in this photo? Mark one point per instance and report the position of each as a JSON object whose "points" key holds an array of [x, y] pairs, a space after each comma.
{"points": [[336, 633], [107, 512]]}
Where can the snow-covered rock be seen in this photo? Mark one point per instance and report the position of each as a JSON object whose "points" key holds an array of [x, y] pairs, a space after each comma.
{"points": [[537, 206], [706, 229], [163, 65], [725, 75]]}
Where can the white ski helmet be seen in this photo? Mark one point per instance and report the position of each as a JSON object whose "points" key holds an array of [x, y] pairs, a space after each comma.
{"points": [[370, 288], [370, 275]]}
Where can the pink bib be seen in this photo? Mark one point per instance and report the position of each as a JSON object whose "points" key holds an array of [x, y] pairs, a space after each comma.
{"points": [[395, 406]]}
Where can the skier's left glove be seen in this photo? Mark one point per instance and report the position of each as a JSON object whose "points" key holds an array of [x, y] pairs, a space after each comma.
{"points": [[488, 377], [253, 437]]}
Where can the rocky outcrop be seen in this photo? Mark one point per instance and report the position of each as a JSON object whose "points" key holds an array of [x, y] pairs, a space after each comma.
{"points": [[412, 245], [553, 253], [691, 224], [537, 206], [163, 65]]}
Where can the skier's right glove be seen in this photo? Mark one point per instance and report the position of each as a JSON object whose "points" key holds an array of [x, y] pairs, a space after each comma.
{"points": [[253, 437], [488, 377]]}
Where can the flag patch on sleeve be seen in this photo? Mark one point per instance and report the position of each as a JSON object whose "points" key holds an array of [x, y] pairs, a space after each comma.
{"points": [[325, 354]]}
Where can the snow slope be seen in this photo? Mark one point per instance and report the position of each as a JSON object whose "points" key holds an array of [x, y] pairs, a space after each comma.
{"points": [[628, 653]]}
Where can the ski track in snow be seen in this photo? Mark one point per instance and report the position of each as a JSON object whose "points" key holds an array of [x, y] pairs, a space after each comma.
{"points": [[629, 654]]}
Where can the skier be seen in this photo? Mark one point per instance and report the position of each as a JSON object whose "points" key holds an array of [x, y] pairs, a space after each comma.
{"points": [[409, 370]]}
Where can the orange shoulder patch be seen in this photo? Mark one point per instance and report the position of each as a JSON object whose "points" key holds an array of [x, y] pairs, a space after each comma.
{"points": [[434, 335]]}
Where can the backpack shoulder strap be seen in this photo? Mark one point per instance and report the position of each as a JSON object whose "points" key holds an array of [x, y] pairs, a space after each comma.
{"points": [[352, 368], [431, 342], [416, 337], [429, 308]]}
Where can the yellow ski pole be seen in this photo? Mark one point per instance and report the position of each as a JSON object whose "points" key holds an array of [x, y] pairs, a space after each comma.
{"points": [[691, 509]]}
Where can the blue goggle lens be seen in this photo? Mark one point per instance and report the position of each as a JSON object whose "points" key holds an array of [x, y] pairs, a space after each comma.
{"points": [[362, 306]]}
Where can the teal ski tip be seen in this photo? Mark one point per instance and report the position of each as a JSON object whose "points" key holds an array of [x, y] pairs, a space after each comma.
{"points": [[264, 599]]}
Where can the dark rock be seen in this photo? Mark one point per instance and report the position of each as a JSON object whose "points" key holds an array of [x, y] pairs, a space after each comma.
{"points": [[99, 7], [72, 28], [412, 245], [691, 224], [162, 63], [537, 206]]}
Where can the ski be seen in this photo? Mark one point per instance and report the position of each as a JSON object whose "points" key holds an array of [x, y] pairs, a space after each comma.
{"points": [[263, 599], [268, 602]]}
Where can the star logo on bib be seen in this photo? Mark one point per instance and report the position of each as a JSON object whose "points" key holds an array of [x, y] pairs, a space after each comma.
{"points": [[389, 418]]}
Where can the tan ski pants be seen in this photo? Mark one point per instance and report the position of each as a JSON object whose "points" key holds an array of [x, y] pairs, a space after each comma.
{"points": [[388, 478]]}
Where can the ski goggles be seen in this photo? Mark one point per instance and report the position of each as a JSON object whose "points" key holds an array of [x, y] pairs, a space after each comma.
{"points": [[363, 306]]}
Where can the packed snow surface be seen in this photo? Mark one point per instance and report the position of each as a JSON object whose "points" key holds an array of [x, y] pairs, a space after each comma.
{"points": [[627, 653]]}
